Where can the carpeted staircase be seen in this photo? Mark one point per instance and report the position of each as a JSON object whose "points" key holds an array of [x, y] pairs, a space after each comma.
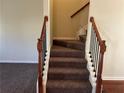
{"points": [[67, 69]]}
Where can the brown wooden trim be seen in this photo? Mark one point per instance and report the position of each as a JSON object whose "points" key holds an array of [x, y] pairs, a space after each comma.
{"points": [[44, 25], [113, 82], [80, 9], [95, 29], [100, 68]]}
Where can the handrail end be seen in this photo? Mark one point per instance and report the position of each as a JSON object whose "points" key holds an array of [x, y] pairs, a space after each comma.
{"points": [[91, 19], [103, 46], [46, 18]]}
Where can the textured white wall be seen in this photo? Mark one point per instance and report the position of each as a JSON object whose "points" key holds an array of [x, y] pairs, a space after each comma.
{"points": [[47, 11], [21, 26], [51, 20], [0, 23], [109, 17]]}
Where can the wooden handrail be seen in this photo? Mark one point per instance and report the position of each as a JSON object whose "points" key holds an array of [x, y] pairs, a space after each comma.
{"points": [[40, 57], [95, 29], [80, 9], [44, 24], [101, 55]]}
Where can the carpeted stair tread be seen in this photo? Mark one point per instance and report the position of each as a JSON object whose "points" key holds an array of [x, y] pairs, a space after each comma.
{"points": [[66, 52], [68, 74], [68, 86], [68, 83], [59, 47], [68, 71], [64, 59], [74, 44], [68, 62], [55, 42]]}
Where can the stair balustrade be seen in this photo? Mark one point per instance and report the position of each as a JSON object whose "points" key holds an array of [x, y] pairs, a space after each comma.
{"points": [[97, 50], [42, 48]]}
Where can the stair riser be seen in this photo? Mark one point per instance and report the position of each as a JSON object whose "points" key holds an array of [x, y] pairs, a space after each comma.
{"points": [[70, 45], [61, 43], [79, 47], [67, 54], [68, 77], [76, 90], [68, 65]]}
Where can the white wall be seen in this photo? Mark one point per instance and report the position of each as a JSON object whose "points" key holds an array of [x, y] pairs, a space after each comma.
{"points": [[109, 17], [21, 26], [0, 23], [47, 11], [51, 21]]}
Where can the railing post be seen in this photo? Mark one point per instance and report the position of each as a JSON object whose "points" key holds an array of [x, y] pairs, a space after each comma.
{"points": [[40, 82], [100, 67], [41, 48]]}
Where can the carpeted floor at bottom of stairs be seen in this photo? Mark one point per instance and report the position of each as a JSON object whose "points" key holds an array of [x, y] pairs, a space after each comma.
{"points": [[18, 78]]}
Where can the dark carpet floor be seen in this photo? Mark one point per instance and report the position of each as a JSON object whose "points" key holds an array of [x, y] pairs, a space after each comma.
{"points": [[18, 78]]}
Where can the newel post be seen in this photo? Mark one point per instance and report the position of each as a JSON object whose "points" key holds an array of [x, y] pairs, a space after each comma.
{"points": [[100, 67], [40, 82]]}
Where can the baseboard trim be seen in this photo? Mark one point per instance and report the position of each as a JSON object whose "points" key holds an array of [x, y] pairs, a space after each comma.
{"points": [[113, 78], [64, 38], [16, 61]]}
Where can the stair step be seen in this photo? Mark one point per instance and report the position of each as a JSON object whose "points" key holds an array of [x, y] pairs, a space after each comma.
{"points": [[68, 74], [67, 62], [74, 44], [58, 51], [68, 86], [67, 68]]}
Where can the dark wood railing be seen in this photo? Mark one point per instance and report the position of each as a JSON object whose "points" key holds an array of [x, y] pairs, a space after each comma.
{"points": [[97, 50], [41, 47], [78, 11]]}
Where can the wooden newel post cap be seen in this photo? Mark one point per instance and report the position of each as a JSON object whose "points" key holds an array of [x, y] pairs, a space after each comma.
{"points": [[91, 19], [39, 45], [46, 18], [103, 47]]}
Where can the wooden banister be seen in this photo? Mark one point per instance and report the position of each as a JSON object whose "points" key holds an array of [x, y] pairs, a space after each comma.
{"points": [[100, 68], [40, 55], [43, 28], [80, 9], [102, 48], [95, 29]]}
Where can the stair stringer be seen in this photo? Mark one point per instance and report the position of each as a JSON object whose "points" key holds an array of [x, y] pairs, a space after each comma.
{"points": [[92, 77]]}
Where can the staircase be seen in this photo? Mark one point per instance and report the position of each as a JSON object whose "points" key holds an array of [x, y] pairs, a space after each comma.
{"points": [[68, 68]]}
